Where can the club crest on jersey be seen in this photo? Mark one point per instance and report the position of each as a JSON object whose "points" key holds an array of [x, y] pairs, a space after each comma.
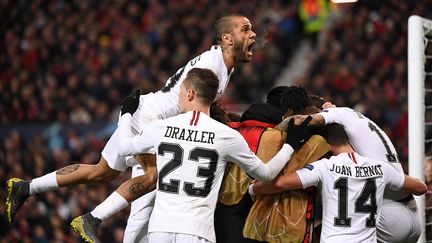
{"points": [[309, 167]]}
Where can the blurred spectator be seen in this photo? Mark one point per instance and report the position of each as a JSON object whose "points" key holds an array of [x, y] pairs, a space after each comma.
{"points": [[313, 14], [65, 66], [75, 60], [362, 63]]}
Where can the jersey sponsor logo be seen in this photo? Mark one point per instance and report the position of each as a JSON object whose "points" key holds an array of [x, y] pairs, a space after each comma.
{"points": [[309, 167]]}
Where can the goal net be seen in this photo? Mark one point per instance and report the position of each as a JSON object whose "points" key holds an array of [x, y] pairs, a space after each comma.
{"points": [[420, 113]]}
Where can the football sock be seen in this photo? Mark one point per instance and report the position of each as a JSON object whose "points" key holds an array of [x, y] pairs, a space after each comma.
{"points": [[113, 204], [44, 183]]}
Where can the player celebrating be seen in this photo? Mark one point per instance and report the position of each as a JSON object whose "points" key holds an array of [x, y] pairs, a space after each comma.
{"points": [[235, 39], [352, 188], [192, 152], [371, 141], [234, 203]]}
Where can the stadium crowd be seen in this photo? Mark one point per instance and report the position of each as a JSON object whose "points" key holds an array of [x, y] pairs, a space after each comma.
{"points": [[75, 60], [71, 62], [361, 62]]}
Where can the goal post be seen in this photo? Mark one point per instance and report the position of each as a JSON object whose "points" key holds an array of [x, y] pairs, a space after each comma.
{"points": [[418, 29]]}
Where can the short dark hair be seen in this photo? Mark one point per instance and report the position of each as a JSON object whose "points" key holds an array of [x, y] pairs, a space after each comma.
{"points": [[219, 113], [224, 25], [274, 96], [205, 83], [334, 134], [316, 101], [294, 99]]}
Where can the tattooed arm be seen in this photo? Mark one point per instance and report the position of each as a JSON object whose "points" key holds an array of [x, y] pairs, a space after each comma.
{"points": [[317, 121], [68, 169]]}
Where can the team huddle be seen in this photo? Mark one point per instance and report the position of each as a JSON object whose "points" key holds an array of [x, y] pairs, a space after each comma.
{"points": [[200, 174]]}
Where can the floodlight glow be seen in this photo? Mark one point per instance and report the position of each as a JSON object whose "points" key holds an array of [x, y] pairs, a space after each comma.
{"points": [[344, 1]]}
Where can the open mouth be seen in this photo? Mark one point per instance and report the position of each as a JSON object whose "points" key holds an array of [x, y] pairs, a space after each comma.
{"points": [[250, 48]]}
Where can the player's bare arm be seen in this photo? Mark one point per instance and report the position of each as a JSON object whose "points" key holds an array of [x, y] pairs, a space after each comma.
{"points": [[135, 187], [68, 169], [317, 121], [284, 182], [414, 186], [297, 136], [260, 187], [268, 171]]}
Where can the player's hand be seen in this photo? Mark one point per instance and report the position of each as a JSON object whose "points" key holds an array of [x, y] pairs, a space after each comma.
{"points": [[328, 104], [299, 119], [298, 135], [130, 103]]}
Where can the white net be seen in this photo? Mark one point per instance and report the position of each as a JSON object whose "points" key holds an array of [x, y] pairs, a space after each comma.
{"points": [[428, 129], [420, 112]]}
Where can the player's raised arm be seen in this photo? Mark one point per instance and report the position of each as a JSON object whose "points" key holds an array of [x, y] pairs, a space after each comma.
{"points": [[316, 121], [128, 106]]}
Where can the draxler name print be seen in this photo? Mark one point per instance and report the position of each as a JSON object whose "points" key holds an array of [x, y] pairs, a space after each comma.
{"points": [[189, 135]]}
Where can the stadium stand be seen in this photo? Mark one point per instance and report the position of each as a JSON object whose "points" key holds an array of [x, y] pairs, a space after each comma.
{"points": [[65, 66]]}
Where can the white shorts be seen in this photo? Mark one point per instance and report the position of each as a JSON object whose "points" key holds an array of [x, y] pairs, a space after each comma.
{"points": [[399, 222], [168, 237], [137, 224], [144, 114], [137, 228]]}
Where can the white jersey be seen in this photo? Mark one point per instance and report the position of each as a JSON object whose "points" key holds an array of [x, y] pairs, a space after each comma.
{"points": [[192, 151], [352, 189], [367, 139], [164, 103]]}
